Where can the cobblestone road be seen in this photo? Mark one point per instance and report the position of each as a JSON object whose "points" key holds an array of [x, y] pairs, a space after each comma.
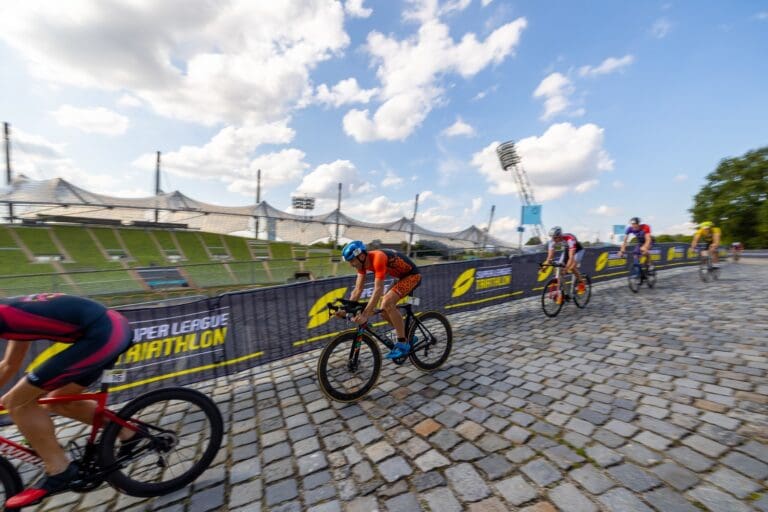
{"points": [[656, 401]]}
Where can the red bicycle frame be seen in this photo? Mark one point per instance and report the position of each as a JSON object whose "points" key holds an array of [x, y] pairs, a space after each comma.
{"points": [[102, 414]]}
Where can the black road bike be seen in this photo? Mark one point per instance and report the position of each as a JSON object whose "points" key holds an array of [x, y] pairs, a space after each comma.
{"points": [[349, 366], [642, 271]]}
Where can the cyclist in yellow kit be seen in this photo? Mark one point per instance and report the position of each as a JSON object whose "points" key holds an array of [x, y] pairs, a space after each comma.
{"points": [[709, 234]]}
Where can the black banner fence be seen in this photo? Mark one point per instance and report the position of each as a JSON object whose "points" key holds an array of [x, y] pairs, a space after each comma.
{"points": [[218, 336]]}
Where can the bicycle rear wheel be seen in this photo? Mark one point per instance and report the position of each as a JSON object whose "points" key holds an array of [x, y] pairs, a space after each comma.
{"points": [[552, 298], [10, 482], [435, 338], [635, 279], [581, 298], [650, 276], [184, 430], [347, 369]]}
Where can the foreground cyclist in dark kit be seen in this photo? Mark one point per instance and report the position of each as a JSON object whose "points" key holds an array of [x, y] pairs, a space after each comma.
{"points": [[97, 336]]}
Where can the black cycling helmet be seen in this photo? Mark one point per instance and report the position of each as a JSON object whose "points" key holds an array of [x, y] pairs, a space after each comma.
{"points": [[634, 220]]}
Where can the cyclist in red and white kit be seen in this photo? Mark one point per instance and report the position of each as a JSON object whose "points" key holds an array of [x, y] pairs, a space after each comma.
{"points": [[96, 337], [573, 252]]}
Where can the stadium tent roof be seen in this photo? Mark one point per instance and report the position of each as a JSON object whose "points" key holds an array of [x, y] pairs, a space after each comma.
{"points": [[59, 192]]}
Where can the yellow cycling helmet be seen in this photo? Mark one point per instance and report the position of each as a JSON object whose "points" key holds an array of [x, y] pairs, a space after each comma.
{"points": [[706, 225]]}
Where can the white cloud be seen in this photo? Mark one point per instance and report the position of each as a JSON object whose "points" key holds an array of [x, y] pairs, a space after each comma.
{"points": [[505, 228], [380, 209], [459, 128], [605, 210], [192, 60], [482, 94], [345, 92], [586, 186], [556, 90], [409, 71], [230, 156], [661, 28], [128, 101], [681, 177], [91, 120], [356, 9], [486, 3], [324, 181], [391, 180], [38, 158], [684, 228], [474, 208], [618, 184], [609, 65], [424, 11], [562, 159]]}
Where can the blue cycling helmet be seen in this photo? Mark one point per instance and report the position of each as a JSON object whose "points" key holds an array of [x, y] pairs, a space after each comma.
{"points": [[352, 250]]}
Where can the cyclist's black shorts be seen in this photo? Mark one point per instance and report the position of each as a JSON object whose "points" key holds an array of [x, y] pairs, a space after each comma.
{"points": [[83, 362]]}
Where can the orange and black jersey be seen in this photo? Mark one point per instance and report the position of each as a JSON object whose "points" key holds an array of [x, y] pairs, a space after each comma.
{"points": [[387, 261]]}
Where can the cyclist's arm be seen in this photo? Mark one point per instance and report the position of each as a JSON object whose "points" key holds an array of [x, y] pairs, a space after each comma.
{"points": [[647, 244], [550, 254], [359, 284], [378, 293], [624, 244], [695, 240], [12, 360], [571, 258]]}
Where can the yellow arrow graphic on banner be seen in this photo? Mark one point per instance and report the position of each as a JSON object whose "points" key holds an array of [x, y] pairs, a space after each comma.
{"points": [[318, 315]]}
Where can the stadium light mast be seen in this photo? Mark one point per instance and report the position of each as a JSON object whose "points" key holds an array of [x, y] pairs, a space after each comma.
{"points": [[8, 177], [304, 203], [338, 218], [258, 202], [413, 223], [157, 184], [510, 161], [488, 229]]}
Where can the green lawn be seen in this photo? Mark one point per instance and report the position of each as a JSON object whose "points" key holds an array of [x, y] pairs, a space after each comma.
{"points": [[37, 240], [238, 248], [142, 248], [192, 246]]}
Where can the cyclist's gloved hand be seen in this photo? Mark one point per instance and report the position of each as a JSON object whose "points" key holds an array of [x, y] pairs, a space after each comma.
{"points": [[360, 319], [341, 313]]}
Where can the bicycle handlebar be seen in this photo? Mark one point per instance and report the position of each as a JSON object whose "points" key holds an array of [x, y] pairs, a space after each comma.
{"points": [[352, 308], [553, 264]]}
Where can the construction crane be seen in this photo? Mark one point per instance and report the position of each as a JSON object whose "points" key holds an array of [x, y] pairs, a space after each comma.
{"points": [[510, 161]]}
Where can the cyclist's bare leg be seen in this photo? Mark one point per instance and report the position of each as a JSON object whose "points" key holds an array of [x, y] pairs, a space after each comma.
{"points": [[35, 424], [390, 313], [82, 410]]}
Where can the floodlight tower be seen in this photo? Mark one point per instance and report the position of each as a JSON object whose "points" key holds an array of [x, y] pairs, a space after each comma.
{"points": [[510, 161]]}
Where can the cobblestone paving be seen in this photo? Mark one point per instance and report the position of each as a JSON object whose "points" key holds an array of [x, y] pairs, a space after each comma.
{"points": [[655, 401]]}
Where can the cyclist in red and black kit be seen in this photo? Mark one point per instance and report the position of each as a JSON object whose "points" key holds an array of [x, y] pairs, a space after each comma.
{"points": [[382, 262], [573, 252], [97, 336]]}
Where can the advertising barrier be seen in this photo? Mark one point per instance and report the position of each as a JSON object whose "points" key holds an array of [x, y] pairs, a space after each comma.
{"points": [[181, 344]]}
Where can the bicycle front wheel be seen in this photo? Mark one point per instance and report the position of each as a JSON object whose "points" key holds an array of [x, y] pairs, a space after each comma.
{"points": [[10, 482], [552, 298], [434, 341], [634, 281], [704, 272], [581, 297], [348, 369], [183, 430]]}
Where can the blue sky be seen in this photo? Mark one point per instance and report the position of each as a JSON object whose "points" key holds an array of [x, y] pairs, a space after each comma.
{"points": [[619, 108]]}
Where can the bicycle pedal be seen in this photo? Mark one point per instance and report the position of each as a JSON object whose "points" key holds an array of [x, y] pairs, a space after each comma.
{"points": [[399, 360]]}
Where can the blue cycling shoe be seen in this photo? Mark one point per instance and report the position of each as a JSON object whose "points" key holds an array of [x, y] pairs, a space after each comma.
{"points": [[399, 350]]}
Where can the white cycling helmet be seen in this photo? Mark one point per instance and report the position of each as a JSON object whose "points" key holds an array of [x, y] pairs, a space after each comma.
{"points": [[555, 231]]}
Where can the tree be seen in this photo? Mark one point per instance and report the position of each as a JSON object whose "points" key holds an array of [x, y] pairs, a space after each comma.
{"points": [[534, 240], [734, 198]]}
